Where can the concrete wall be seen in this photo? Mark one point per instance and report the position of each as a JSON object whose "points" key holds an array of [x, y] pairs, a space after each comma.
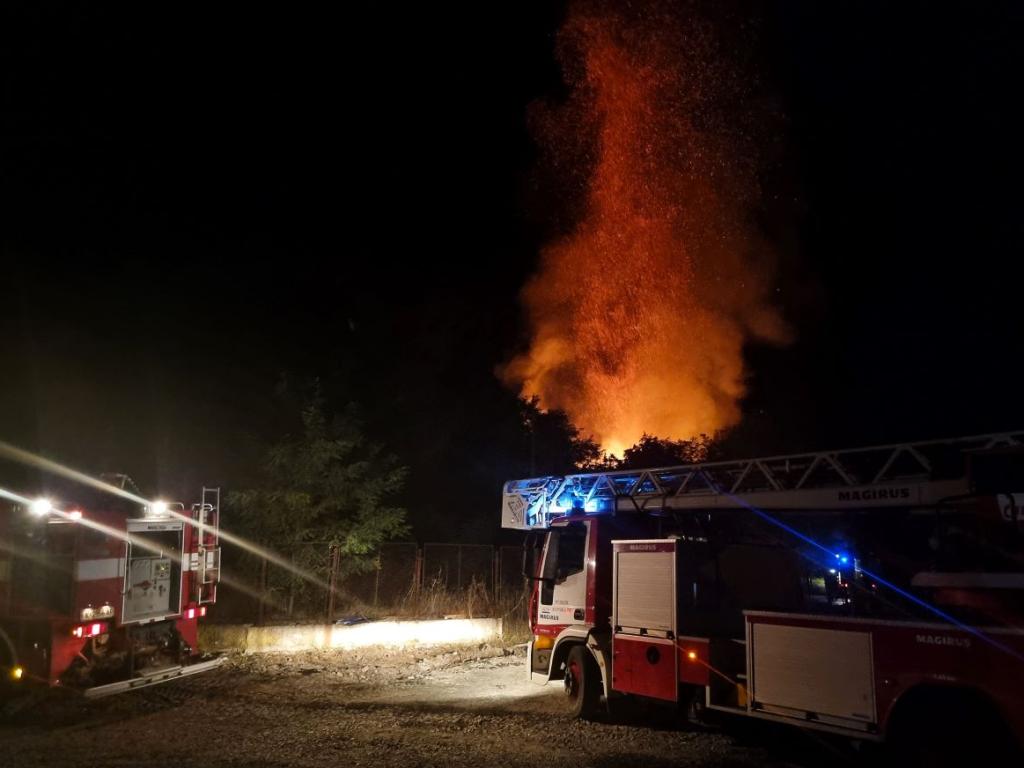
{"points": [[384, 634]]}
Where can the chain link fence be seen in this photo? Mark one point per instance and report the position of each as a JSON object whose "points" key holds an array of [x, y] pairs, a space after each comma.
{"points": [[510, 568], [405, 578], [455, 566]]}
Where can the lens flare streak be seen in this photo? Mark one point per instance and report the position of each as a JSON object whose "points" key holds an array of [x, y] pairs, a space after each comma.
{"points": [[26, 457]]}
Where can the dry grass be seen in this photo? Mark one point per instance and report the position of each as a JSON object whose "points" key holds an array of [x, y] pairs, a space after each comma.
{"points": [[434, 600], [430, 600]]}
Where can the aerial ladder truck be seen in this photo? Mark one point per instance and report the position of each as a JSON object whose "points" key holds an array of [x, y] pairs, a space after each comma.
{"points": [[875, 593]]}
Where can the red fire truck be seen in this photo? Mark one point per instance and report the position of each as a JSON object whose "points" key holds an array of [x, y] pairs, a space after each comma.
{"points": [[105, 594], [876, 593]]}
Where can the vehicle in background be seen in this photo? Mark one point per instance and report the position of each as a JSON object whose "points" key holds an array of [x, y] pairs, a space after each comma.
{"points": [[106, 595]]}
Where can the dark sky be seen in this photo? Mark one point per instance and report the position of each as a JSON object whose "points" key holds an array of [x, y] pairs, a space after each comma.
{"points": [[195, 200]]}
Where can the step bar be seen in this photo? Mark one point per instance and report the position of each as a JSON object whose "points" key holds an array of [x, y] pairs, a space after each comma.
{"points": [[153, 678]]}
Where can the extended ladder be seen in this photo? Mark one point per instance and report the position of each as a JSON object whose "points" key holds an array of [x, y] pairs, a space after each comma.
{"points": [[898, 475]]}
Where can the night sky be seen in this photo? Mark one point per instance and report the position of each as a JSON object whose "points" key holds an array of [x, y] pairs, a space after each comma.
{"points": [[196, 201]]}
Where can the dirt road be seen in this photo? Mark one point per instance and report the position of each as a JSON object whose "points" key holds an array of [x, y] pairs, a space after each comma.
{"points": [[468, 707]]}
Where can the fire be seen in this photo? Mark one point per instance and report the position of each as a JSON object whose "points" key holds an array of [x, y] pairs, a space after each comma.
{"points": [[639, 315]]}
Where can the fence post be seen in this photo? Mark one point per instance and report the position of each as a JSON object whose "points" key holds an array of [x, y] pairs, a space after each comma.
{"points": [[376, 583], [417, 570], [291, 589], [263, 591], [332, 583], [496, 571]]}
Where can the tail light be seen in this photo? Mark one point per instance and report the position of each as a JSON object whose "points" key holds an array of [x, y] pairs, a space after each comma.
{"points": [[95, 629], [202, 610], [190, 613]]}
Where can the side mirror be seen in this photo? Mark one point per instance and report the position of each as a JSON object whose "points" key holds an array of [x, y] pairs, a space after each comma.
{"points": [[549, 570], [533, 547], [529, 566]]}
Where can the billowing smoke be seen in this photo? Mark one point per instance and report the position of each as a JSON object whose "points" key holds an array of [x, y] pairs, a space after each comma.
{"points": [[639, 315]]}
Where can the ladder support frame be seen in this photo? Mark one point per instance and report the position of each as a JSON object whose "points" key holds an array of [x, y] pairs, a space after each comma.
{"points": [[861, 479]]}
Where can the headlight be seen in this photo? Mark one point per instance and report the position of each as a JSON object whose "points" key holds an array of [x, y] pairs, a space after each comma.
{"points": [[88, 613], [40, 507], [158, 508], [105, 611]]}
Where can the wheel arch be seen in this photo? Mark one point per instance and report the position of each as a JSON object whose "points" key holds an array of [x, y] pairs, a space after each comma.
{"points": [[564, 643], [592, 641]]}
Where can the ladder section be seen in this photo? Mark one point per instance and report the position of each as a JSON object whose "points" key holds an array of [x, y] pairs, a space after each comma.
{"points": [[898, 475], [207, 516]]}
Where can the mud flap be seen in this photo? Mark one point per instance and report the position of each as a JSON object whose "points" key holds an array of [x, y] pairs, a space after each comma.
{"points": [[537, 678]]}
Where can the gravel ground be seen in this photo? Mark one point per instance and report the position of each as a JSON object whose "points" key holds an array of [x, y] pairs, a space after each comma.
{"points": [[447, 707]]}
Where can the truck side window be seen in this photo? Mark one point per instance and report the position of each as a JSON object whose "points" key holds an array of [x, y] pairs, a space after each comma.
{"points": [[566, 555], [571, 551]]}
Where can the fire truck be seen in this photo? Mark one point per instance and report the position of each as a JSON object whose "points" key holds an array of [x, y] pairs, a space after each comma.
{"points": [[105, 594], [875, 593]]}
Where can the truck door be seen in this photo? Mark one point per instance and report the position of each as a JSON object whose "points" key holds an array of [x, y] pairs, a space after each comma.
{"points": [[153, 571], [563, 590]]}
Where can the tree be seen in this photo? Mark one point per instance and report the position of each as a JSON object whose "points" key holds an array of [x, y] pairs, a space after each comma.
{"points": [[652, 451], [555, 443], [326, 484]]}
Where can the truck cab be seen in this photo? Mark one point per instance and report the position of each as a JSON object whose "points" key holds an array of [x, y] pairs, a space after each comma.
{"points": [[574, 592]]}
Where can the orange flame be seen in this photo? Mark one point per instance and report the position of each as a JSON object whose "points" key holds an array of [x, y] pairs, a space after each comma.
{"points": [[639, 316]]}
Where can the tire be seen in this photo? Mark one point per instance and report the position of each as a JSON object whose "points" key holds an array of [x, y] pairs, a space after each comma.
{"points": [[949, 730], [582, 683]]}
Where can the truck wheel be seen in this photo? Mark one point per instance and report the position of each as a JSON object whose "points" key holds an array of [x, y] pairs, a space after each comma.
{"points": [[582, 683], [947, 729]]}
